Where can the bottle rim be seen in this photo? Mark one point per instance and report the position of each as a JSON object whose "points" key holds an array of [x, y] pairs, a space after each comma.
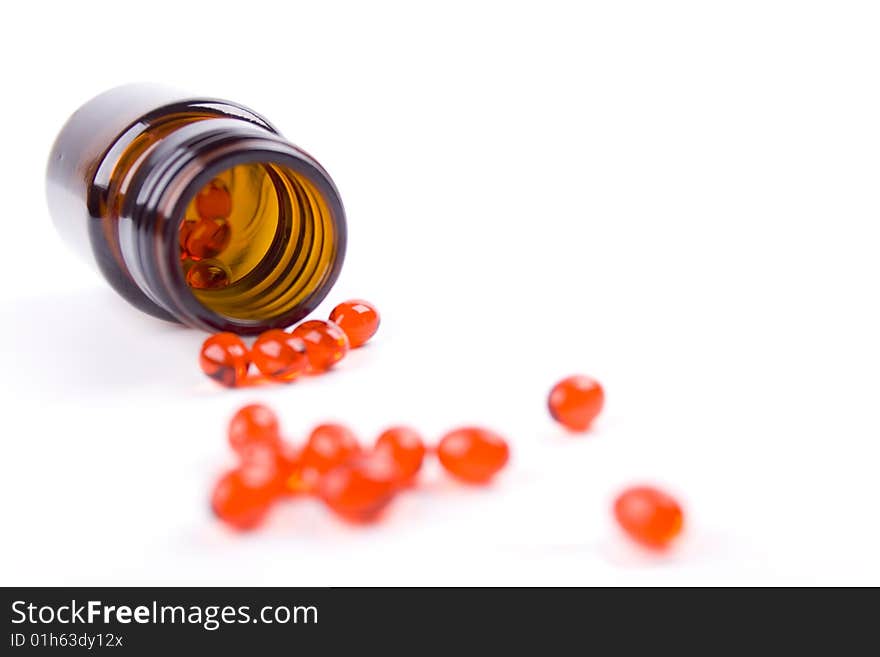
{"points": [[170, 178]]}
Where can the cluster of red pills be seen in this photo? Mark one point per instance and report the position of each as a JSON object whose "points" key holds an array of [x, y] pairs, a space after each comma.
{"points": [[358, 483], [205, 236], [312, 347], [355, 482]]}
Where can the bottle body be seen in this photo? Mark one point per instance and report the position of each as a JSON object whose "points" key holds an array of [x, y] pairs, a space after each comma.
{"points": [[196, 210]]}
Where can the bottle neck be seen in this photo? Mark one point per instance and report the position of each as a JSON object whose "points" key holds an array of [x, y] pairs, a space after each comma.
{"points": [[287, 223]]}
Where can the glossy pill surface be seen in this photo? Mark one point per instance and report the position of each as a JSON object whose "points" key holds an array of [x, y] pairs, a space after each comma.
{"points": [[241, 502], [280, 356], [358, 319], [361, 489], [575, 402], [473, 454], [214, 201], [649, 515], [254, 424], [225, 358], [204, 238], [325, 343], [406, 450], [206, 274], [328, 446]]}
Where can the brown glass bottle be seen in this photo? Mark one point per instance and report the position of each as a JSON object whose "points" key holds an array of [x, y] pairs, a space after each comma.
{"points": [[196, 210]]}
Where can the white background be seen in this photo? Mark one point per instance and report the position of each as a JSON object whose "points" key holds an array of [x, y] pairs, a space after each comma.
{"points": [[679, 198]]}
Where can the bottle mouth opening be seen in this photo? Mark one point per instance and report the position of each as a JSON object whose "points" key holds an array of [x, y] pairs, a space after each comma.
{"points": [[258, 242]]}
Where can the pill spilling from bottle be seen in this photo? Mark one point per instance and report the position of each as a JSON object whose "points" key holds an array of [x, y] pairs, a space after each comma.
{"points": [[312, 347], [358, 483]]}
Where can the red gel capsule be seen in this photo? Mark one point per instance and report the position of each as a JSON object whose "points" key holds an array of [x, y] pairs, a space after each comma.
{"points": [[358, 319], [242, 501], [649, 516], [204, 238], [328, 446], [361, 489], [253, 424], [473, 454], [206, 275], [406, 450], [224, 358], [260, 464], [275, 464], [280, 356], [575, 402], [214, 201], [326, 344]]}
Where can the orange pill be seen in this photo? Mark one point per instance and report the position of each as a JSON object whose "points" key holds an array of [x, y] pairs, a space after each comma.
{"points": [[326, 344], [358, 319], [406, 450], [473, 454], [214, 201], [576, 401], [241, 501], [204, 238], [328, 446], [261, 462], [361, 489], [279, 355], [207, 275], [649, 516], [253, 424], [224, 358]]}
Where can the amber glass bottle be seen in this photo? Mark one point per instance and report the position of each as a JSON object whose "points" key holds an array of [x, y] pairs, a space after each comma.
{"points": [[196, 210]]}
